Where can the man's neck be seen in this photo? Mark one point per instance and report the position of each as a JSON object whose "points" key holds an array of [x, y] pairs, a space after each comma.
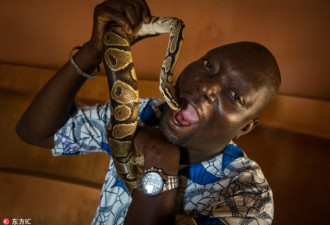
{"points": [[188, 157]]}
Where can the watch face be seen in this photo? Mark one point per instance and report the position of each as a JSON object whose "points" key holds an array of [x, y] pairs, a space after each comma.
{"points": [[152, 183]]}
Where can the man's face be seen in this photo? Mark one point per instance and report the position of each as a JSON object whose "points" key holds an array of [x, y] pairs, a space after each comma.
{"points": [[219, 100]]}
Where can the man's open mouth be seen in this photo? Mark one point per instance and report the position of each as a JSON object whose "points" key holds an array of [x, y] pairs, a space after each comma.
{"points": [[187, 116]]}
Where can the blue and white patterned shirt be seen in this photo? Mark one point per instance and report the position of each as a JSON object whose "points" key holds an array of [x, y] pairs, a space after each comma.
{"points": [[228, 189]]}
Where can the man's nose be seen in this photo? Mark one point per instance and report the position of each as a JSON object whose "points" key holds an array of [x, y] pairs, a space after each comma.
{"points": [[207, 90]]}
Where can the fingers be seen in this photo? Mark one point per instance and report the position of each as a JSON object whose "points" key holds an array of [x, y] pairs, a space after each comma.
{"points": [[127, 13], [132, 16], [111, 14], [146, 12], [137, 11]]}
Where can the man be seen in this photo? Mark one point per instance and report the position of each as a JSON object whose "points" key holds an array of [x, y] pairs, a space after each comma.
{"points": [[222, 95]]}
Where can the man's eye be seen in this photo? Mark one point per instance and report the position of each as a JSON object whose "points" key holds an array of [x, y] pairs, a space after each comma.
{"points": [[207, 64], [237, 98]]}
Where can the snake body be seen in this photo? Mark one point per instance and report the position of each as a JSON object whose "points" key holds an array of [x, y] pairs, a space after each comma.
{"points": [[124, 95]]}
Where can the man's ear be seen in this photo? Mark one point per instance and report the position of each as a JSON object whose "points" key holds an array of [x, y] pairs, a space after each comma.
{"points": [[248, 127]]}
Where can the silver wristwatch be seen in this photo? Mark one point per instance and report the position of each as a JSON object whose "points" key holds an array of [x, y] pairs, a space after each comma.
{"points": [[154, 181]]}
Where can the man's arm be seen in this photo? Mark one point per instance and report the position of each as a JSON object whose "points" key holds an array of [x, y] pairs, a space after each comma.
{"points": [[52, 106], [158, 153]]}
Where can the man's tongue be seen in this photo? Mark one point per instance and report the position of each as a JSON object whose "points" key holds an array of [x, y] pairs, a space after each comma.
{"points": [[187, 116]]}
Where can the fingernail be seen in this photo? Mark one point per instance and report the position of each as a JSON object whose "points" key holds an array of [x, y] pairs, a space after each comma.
{"points": [[147, 19], [128, 29]]}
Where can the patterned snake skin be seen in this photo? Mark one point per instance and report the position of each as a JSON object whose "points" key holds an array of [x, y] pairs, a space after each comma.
{"points": [[124, 95]]}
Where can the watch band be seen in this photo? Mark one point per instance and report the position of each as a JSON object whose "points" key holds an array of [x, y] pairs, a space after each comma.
{"points": [[171, 182]]}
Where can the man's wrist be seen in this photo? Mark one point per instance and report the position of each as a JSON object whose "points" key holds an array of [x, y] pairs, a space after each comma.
{"points": [[87, 58], [93, 51], [167, 159], [155, 181]]}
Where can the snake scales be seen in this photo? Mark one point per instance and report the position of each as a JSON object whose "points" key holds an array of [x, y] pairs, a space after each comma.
{"points": [[124, 95]]}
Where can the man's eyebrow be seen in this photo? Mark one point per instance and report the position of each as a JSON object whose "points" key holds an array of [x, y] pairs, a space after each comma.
{"points": [[215, 59], [238, 78]]}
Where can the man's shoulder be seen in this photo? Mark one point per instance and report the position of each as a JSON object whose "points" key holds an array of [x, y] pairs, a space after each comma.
{"points": [[150, 110], [230, 187], [155, 102]]}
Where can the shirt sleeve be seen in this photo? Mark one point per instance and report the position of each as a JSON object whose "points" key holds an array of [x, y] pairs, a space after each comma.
{"points": [[85, 130]]}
